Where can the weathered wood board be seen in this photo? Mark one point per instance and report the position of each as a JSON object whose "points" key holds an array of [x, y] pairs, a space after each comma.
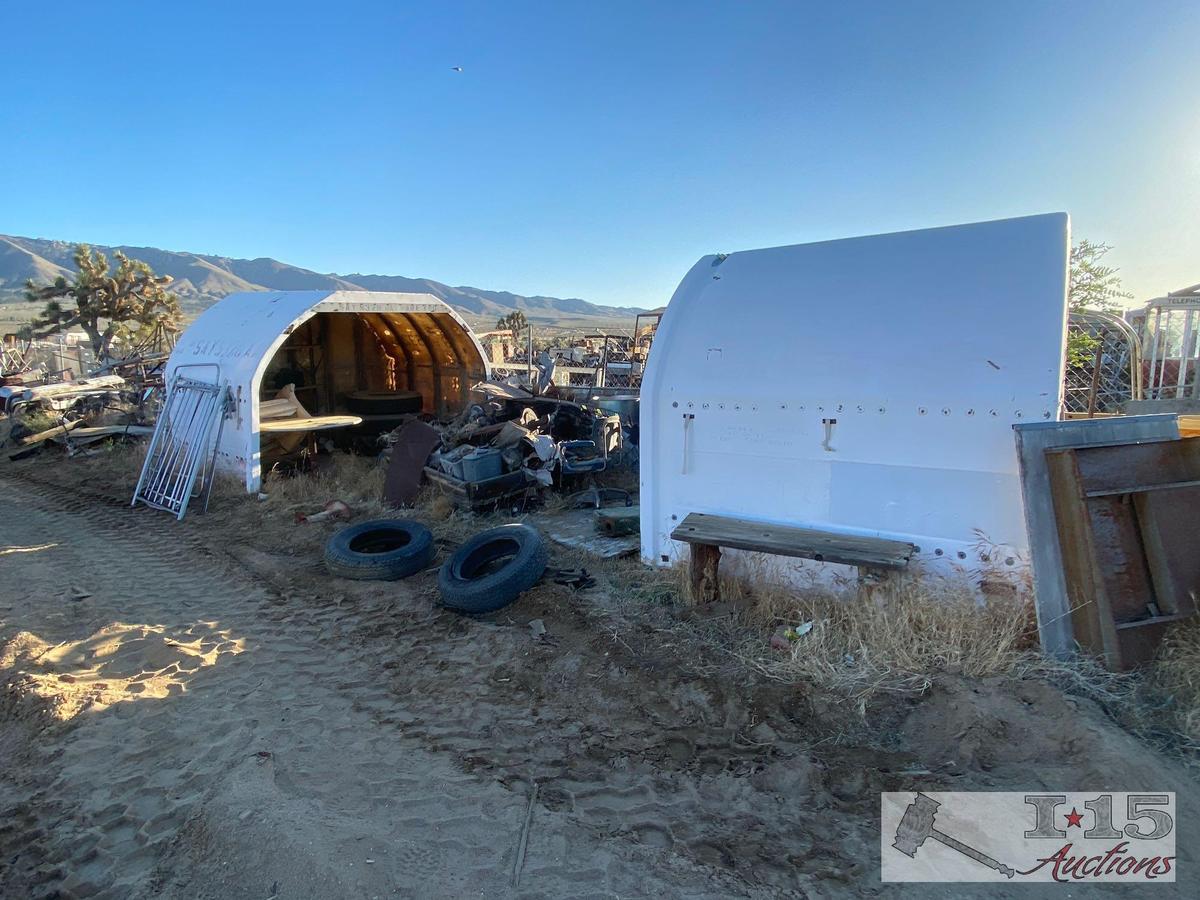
{"points": [[787, 540]]}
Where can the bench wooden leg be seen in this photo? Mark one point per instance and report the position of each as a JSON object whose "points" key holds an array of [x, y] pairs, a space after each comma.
{"points": [[878, 584], [703, 571]]}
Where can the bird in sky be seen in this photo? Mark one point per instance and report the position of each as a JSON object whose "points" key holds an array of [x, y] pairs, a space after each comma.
{"points": [[457, 68]]}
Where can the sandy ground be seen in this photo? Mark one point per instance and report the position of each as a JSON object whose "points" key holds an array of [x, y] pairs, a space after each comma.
{"points": [[185, 715]]}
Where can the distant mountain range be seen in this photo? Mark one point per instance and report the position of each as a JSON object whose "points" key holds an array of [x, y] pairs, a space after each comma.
{"points": [[201, 280]]}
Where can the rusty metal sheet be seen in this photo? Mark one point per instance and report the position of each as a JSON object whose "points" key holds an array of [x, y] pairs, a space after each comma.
{"points": [[414, 443]]}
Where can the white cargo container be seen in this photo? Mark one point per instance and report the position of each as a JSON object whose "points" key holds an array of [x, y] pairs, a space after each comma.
{"points": [[866, 386], [348, 340]]}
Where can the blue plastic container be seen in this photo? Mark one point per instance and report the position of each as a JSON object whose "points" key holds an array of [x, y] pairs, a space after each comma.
{"points": [[481, 464]]}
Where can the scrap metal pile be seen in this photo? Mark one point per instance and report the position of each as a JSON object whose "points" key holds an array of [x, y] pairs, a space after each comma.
{"points": [[120, 402], [509, 446]]}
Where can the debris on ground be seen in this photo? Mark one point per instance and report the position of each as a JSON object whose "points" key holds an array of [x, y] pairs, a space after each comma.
{"points": [[334, 509], [509, 447], [575, 579], [77, 413], [578, 529]]}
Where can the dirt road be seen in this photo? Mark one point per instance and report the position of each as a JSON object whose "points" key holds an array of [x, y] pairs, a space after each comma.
{"points": [[185, 716]]}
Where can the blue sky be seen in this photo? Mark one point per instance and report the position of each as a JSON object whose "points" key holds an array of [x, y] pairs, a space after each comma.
{"points": [[595, 149]]}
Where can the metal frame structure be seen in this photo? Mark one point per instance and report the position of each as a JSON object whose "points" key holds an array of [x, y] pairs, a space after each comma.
{"points": [[1113, 373], [1171, 345], [184, 445]]}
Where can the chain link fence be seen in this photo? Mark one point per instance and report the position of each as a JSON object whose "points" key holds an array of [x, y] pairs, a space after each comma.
{"points": [[1103, 364]]}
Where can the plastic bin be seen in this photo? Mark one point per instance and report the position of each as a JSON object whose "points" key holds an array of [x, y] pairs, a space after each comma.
{"points": [[481, 464]]}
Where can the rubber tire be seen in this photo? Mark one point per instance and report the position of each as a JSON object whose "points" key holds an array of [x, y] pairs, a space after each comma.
{"points": [[384, 403], [495, 590], [344, 560]]}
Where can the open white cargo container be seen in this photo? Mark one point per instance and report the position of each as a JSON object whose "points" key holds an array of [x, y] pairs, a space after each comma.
{"points": [[866, 386], [350, 340]]}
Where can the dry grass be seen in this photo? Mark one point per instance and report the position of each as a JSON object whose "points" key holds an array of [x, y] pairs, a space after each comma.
{"points": [[356, 480], [37, 420], [1176, 677], [894, 640]]}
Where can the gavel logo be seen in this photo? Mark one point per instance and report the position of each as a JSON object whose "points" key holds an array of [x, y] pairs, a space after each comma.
{"points": [[917, 825]]}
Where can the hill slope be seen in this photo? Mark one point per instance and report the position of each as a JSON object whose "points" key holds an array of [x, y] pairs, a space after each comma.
{"points": [[201, 280]]}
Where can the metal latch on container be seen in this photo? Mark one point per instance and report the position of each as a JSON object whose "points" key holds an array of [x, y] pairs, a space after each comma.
{"points": [[688, 419], [829, 425]]}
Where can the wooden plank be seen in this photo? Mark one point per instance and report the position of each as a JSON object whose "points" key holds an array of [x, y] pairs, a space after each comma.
{"points": [[311, 423], [82, 436], [1120, 558], [49, 433], [788, 540], [1144, 488], [1033, 439], [1168, 539], [1087, 604], [102, 430], [1139, 467]]}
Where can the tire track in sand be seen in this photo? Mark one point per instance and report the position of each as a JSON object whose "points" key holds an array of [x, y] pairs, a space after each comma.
{"points": [[282, 764]]}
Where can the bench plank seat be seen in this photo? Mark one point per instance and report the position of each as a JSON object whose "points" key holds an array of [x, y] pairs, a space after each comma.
{"points": [[708, 533], [787, 540]]}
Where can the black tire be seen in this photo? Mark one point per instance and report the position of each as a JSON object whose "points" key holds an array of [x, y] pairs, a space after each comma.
{"points": [[469, 584], [384, 403], [379, 550]]}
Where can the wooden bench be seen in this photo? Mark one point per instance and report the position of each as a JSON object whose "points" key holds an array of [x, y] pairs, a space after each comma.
{"points": [[875, 557]]}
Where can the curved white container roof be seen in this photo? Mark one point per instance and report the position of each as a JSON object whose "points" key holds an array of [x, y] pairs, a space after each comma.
{"points": [[924, 346], [234, 339]]}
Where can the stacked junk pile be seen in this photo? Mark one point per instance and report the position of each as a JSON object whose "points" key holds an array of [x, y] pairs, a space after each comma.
{"points": [[75, 414], [44, 401], [504, 449]]}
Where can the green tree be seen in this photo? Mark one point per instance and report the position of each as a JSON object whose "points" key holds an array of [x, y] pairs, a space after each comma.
{"points": [[515, 322], [106, 304], [1093, 286]]}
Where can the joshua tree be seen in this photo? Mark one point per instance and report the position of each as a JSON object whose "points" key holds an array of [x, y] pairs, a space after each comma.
{"points": [[106, 304], [515, 322]]}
